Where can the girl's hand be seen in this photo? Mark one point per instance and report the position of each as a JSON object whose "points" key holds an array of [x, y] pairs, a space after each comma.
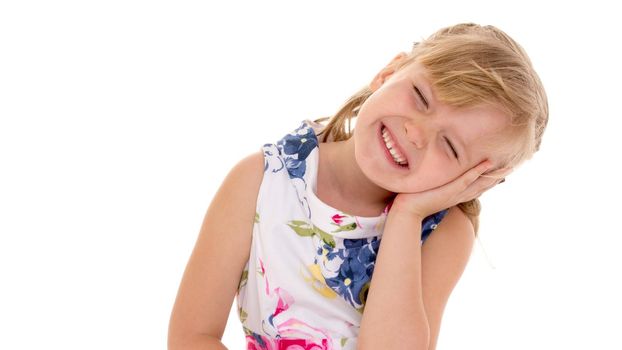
{"points": [[465, 187]]}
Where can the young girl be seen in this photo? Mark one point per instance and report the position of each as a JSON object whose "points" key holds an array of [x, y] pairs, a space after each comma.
{"points": [[298, 229]]}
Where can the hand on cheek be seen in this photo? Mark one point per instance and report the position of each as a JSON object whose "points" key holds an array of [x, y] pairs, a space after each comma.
{"points": [[465, 187]]}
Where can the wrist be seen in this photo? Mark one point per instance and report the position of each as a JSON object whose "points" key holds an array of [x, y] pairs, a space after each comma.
{"points": [[402, 221], [399, 211], [404, 204]]}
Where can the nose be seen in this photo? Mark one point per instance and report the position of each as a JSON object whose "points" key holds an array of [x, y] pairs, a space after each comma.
{"points": [[417, 133]]}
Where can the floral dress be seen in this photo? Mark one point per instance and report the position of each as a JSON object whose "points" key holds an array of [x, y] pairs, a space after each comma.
{"points": [[310, 266]]}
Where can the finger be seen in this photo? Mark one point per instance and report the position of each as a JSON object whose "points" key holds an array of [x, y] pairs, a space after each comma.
{"points": [[479, 186], [490, 184], [488, 188], [466, 186], [499, 173], [485, 182], [461, 186], [475, 173]]}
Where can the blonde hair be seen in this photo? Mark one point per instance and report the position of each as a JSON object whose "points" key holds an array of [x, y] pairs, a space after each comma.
{"points": [[469, 65]]}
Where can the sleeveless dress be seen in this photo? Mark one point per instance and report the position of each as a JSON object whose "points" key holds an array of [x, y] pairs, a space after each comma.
{"points": [[310, 266]]}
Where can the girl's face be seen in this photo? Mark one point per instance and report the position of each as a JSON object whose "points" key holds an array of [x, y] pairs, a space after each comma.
{"points": [[422, 132]]}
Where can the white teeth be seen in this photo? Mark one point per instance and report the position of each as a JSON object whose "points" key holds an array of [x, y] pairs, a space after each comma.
{"points": [[398, 157], [394, 153]]}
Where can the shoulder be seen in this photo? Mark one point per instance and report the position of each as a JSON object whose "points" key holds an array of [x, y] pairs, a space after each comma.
{"points": [[253, 161], [238, 191], [235, 201], [456, 222], [456, 218], [247, 173]]}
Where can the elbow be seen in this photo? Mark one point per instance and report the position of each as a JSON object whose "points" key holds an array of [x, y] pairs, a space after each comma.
{"points": [[409, 346], [195, 342]]}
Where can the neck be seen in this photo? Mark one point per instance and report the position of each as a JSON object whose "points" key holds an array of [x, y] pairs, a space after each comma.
{"points": [[342, 184]]}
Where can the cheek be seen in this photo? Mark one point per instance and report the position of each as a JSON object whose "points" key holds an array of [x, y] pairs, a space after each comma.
{"points": [[430, 180], [448, 176], [389, 100], [433, 175]]}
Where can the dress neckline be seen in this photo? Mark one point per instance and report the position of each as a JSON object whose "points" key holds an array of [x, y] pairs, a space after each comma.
{"points": [[332, 220]]}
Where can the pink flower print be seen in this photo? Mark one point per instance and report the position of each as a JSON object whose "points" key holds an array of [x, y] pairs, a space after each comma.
{"points": [[299, 335], [263, 274], [338, 219], [301, 344], [258, 342], [290, 333], [285, 300]]}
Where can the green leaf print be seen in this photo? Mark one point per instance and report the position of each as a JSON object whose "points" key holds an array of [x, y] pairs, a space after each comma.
{"points": [[303, 229], [243, 280], [327, 238], [243, 315], [247, 331], [256, 217], [363, 297], [348, 227]]}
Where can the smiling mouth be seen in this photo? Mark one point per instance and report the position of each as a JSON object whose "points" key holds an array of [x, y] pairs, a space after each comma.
{"points": [[398, 157]]}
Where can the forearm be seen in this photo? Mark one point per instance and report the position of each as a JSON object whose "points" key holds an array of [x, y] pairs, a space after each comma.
{"points": [[394, 315]]}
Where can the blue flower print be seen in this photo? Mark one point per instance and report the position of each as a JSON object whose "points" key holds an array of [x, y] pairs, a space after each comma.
{"points": [[355, 271], [430, 223], [276, 164], [296, 147]]}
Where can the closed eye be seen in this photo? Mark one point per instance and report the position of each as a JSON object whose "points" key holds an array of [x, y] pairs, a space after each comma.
{"points": [[425, 102], [452, 147]]}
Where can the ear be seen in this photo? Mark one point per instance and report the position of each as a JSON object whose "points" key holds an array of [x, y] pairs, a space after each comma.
{"points": [[387, 71]]}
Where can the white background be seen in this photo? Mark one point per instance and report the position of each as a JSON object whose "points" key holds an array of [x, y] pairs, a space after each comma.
{"points": [[120, 119]]}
